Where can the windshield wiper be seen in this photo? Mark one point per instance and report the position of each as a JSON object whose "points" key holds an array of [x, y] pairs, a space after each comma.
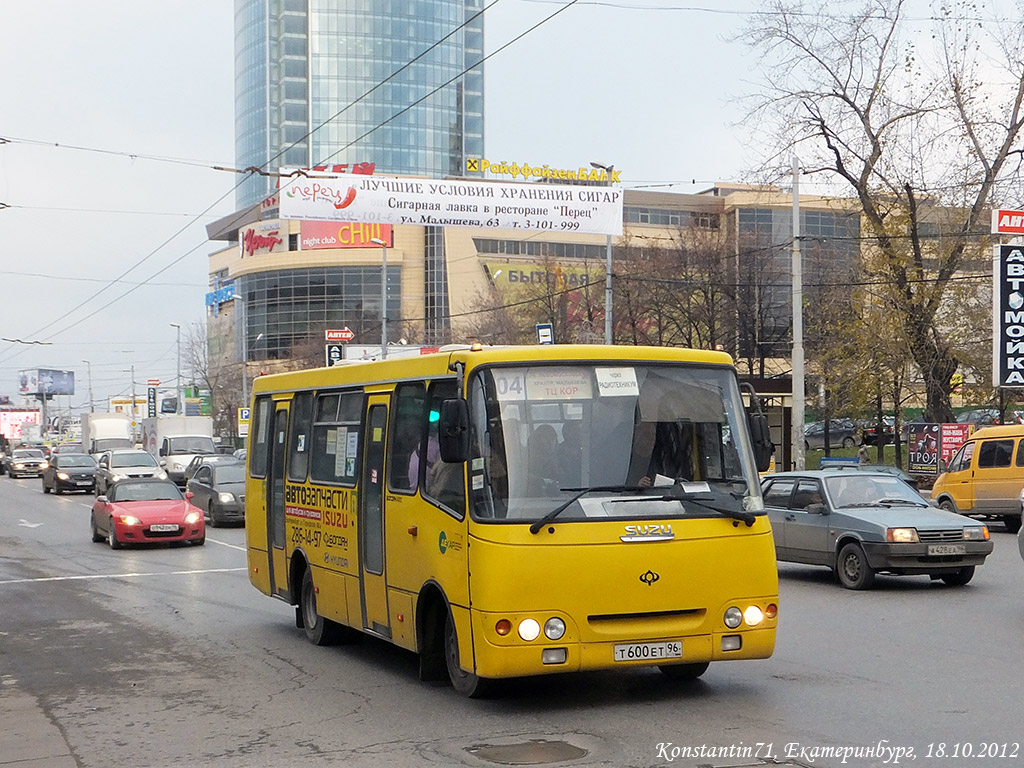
{"points": [[678, 495], [580, 493], [736, 514]]}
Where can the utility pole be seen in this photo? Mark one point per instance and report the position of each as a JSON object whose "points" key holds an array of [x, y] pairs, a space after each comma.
{"points": [[177, 380], [135, 415], [92, 407], [383, 296], [607, 267], [799, 456]]}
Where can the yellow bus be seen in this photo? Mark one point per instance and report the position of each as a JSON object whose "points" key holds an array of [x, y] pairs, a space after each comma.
{"points": [[514, 511]]}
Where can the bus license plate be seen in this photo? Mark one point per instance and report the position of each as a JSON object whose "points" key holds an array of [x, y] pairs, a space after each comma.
{"points": [[947, 549], [649, 651], [163, 527]]}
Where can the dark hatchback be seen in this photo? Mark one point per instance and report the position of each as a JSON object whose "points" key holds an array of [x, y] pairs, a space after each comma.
{"points": [[219, 490], [70, 472]]}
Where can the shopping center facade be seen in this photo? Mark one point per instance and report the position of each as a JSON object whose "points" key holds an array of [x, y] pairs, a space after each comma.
{"points": [[278, 284]]}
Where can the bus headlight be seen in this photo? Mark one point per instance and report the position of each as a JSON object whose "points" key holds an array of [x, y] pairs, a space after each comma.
{"points": [[554, 628], [733, 617], [753, 616], [529, 629]]}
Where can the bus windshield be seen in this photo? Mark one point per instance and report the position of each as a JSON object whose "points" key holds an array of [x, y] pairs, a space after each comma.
{"points": [[622, 441]]}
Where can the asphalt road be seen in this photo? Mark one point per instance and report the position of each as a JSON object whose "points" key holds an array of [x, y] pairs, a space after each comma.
{"points": [[168, 657]]}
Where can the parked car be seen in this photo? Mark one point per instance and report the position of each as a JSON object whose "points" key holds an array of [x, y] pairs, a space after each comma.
{"points": [[146, 511], [979, 417], [870, 434], [206, 459], [219, 490], [863, 523], [123, 464], [25, 462], [240, 454], [910, 480], [841, 434], [70, 472]]}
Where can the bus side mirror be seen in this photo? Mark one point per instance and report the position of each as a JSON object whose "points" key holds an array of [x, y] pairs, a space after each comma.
{"points": [[760, 435], [453, 432]]}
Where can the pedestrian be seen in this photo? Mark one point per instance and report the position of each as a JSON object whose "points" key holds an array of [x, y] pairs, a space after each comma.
{"points": [[862, 455]]}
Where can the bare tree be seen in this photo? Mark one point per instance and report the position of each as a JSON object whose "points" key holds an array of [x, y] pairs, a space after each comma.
{"points": [[909, 132], [208, 369]]}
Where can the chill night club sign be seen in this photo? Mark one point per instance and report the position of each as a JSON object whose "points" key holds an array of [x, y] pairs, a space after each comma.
{"points": [[1008, 316]]}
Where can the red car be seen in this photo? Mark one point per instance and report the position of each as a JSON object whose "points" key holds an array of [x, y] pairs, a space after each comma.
{"points": [[146, 511]]}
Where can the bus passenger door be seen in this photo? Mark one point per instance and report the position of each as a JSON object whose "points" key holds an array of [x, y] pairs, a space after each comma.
{"points": [[371, 520], [275, 504]]}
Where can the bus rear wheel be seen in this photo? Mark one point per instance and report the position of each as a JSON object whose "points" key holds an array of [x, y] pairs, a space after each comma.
{"points": [[319, 631], [466, 683]]}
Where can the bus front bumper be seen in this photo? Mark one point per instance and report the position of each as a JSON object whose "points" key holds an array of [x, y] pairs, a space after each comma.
{"points": [[520, 660]]}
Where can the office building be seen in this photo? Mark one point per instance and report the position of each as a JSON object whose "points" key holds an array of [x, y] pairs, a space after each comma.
{"points": [[314, 86]]}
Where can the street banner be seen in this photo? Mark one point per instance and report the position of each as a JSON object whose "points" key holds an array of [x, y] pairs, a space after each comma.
{"points": [[455, 203], [953, 436], [923, 448]]}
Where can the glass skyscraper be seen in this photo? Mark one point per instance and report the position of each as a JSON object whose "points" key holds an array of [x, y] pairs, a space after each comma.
{"points": [[302, 66]]}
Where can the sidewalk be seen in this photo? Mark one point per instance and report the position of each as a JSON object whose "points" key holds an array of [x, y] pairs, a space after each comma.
{"points": [[28, 738]]}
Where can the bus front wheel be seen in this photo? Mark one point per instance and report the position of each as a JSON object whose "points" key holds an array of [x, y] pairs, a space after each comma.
{"points": [[466, 683]]}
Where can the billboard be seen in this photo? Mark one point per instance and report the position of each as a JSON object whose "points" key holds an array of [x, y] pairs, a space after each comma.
{"points": [[1008, 316], [453, 203], [923, 448], [13, 422], [46, 381]]}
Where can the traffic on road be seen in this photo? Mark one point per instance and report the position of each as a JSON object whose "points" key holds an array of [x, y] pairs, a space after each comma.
{"points": [[95, 640]]}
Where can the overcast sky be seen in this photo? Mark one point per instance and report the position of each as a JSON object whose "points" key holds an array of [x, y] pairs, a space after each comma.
{"points": [[647, 85]]}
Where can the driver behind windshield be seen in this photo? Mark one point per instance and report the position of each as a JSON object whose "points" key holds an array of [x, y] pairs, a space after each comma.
{"points": [[661, 449]]}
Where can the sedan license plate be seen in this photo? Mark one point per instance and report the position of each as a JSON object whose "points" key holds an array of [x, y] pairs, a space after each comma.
{"points": [[649, 651], [163, 527], [84, 482], [947, 549]]}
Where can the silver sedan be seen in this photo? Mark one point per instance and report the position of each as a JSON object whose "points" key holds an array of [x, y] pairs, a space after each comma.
{"points": [[863, 523]]}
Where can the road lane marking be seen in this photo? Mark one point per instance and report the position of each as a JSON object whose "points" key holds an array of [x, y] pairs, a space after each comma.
{"points": [[225, 544], [121, 575], [25, 523]]}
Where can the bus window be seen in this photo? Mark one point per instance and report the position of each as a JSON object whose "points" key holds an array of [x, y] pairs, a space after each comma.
{"points": [[260, 438], [299, 440], [407, 429], [442, 482], [336, 434]]}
